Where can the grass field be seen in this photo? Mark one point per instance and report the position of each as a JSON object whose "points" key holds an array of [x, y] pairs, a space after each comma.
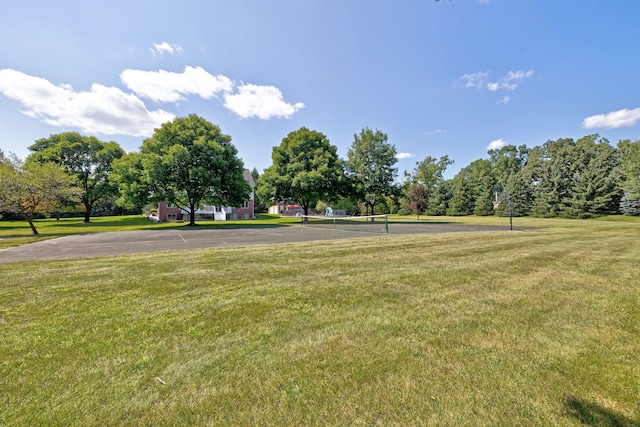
{"points": [[538, 328]]}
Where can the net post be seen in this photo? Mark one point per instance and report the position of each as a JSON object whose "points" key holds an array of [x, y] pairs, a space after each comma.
{"points": [[386, 223]]}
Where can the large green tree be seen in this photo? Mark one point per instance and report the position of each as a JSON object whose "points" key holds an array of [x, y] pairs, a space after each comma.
{"points": [[507, 164], [32, 188], [88, 159], [574, 178], [429, 172], [473, 187], [189, 161], [629, 152], [306, 169], [131, 178], [595, 189], [461, 201], [370, 165]]}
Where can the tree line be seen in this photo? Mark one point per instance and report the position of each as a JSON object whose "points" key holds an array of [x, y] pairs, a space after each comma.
{"points": [[186, 162], [189, 162], [562, 178]]}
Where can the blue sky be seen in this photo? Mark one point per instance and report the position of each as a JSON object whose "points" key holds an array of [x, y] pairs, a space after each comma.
{"points": [[450, 77]]}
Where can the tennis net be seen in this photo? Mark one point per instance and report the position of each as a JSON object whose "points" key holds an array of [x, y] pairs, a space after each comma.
{"points": [[367, 224]]}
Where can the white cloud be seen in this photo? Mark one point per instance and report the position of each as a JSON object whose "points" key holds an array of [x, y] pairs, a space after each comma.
{"points": [[111, 111], [496, 144], [504, 100], [166, 86], [510, 81], [433, 132], [480, 79], [401, 156], [103, 110], [614, 119], [161, 48], [475, 80], [260, 101]]}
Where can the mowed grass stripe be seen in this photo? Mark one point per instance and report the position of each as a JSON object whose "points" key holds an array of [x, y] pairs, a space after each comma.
{"points": [[508, 328]]}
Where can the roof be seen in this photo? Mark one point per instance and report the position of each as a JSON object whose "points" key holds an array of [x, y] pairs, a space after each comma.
{"points": [[249, 178]]}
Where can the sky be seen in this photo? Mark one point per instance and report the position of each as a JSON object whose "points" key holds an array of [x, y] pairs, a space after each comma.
{"points": [[452, 78]]}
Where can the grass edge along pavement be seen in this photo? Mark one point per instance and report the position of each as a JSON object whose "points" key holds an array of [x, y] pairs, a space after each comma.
{"points": [[534, 328]]}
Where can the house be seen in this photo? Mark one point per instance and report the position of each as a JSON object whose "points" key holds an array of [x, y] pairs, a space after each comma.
{"points": [[166, 212]]}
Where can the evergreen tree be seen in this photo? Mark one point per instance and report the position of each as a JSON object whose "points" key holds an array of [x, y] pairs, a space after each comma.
{"points": [[629, 206], [439, 200], [629, 152], [594, 189], [461, 202], [547, 170], [483, 203]]}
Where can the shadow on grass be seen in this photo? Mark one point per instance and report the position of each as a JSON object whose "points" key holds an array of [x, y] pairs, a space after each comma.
{"points": [[592, 414]]}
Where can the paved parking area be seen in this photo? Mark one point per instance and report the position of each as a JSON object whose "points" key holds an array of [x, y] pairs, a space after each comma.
{"points": [[130, 242]]}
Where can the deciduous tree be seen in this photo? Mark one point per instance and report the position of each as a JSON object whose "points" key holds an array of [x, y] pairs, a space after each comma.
{"points": [[131, 178], [88, 159], [418, 199], [429, 172], [306, 168], [370, 164], [189, 161], [31, 188]]}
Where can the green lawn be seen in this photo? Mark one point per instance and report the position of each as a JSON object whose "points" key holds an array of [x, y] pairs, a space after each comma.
{"points": [[538, 328]]}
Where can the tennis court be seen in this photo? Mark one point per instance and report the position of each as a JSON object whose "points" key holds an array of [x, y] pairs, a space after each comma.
{"points": [[178, 240]]}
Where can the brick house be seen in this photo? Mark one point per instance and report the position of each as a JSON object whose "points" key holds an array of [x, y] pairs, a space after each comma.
{"points": [[167, 212]]}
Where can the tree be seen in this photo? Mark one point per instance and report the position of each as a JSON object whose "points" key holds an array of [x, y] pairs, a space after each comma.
{"points": [[574, 179], [129, 175], [31, 188], [306, 169], [629, 205], [548, 172], [259, 204], [475, 184], [629, 152], [418, 199], [370, 161], [506, 168], [88, 159], [595, 178], [429, 172], [189, 161], [439, 199], [517, 189], [461, 201]]}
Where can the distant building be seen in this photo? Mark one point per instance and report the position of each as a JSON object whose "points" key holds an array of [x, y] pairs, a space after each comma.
{"points": [[286, 209], [167, 212]]}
